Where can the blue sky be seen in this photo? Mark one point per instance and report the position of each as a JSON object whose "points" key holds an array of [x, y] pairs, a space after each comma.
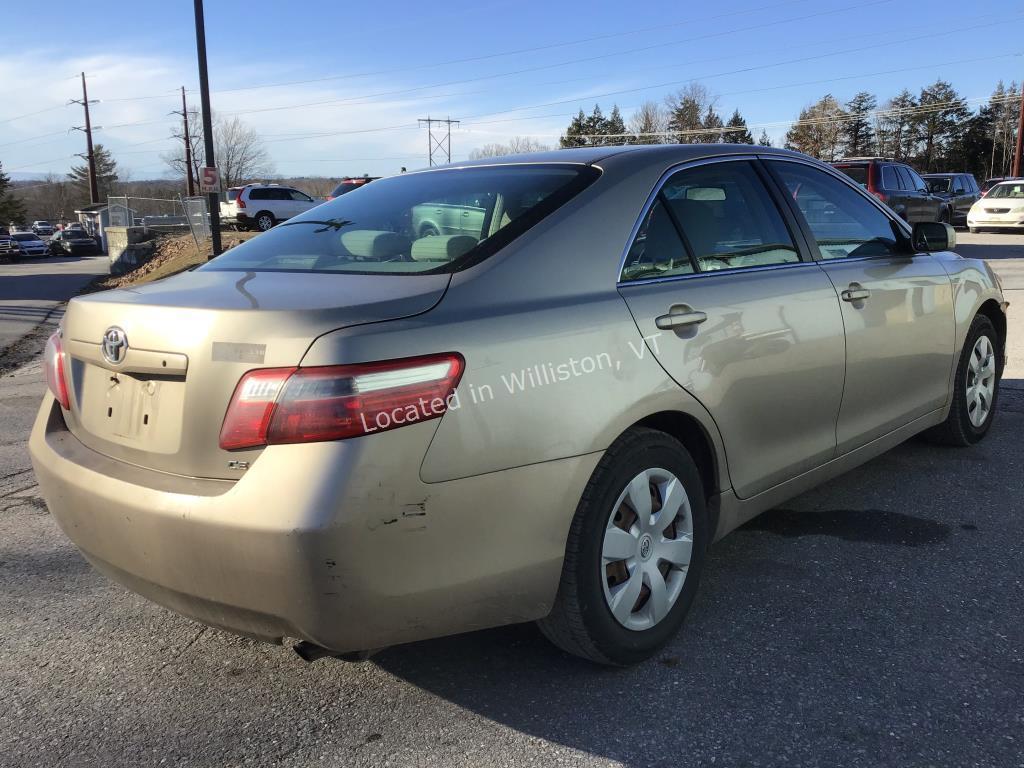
{"points": [[504, 68]]}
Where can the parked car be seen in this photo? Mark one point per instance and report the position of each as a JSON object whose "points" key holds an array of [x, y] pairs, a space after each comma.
{"points": [[343, 432], [42, 228], [897, 185], [450, 216], [29, 244], [8, 247], [72, 242], [262, 206], [1002, 208], [349, 184], [959, 190], [989, 183]]}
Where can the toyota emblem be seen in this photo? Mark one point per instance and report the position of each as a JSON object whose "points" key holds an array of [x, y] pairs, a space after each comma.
{"points": [[115, 345]]}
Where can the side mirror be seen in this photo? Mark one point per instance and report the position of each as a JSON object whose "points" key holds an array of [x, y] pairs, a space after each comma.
{"points": [[933, 236]]}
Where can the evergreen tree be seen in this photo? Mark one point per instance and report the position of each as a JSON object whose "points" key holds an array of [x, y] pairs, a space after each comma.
{"points": [[686, 111], [574, 133], [106, 174], [894, 129], [615, 128], [941, 126], [12, 210], [594, 125], [739, 133], [711, 123], [858, 134], [973, 152], [818, 130], [764, 141]]}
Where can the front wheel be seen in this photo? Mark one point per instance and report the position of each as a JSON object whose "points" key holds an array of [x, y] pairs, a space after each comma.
{"points": [[975, 390], [634, 554]]}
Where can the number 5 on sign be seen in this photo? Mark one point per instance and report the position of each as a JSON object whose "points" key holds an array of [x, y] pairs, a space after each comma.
{"points": [[209, 180]]}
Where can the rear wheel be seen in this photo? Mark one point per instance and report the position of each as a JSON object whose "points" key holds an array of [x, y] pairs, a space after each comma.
{"points": [[975, 390], [264, 221], [634, 554]]}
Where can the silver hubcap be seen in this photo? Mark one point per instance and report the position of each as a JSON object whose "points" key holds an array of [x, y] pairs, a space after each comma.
{"points": [[981, 381], [265, 222], [646, 551]]}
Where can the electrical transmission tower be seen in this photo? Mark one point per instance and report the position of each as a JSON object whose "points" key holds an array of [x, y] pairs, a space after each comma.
{"points": [[90, 157], [440, 142]]}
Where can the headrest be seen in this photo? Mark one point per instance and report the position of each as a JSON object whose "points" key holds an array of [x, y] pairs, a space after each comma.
{"points": [[441, 247], [374, 244]]}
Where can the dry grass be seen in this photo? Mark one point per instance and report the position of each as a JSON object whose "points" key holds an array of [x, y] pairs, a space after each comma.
{"points": [[172, 254]]}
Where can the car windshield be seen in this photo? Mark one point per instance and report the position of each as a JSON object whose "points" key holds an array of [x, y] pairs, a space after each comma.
{"points": [[938, 185], [428, 222], [858, 173], [24, 236], [1007, 190]]}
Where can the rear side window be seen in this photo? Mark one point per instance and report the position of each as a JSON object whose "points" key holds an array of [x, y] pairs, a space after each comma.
{"points": [[959, 187], [889, 180], [724, 217], [845, 224], [259, 194], [390, 226]]}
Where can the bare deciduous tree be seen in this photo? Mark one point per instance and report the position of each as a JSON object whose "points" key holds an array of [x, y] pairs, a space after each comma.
{"points": [[515, 146], [237, 147], [649, 120]]}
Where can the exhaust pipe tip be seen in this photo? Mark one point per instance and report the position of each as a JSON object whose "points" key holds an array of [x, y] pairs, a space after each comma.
{"points": [[310, 652]]}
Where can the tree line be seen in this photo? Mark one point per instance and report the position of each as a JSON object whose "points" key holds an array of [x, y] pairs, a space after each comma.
{"points": [[934, 130]]}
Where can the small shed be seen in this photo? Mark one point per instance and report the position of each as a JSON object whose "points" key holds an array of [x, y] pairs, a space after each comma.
{"points": [[98, 216]]}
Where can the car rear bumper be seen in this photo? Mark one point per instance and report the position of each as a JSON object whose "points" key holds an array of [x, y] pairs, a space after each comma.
{"points": [[340, 544]]}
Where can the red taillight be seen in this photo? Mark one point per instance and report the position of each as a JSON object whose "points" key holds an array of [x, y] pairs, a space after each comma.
{"points": [[240, 202], [302, 405], [53, 360]]}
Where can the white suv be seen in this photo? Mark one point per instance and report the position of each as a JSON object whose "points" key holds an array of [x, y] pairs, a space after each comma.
{"points": [[261, 206]]}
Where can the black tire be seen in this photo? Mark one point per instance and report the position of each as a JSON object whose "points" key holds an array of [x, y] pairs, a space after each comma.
{"points": [[957, 429], [429, 230], [581, 623], [945, 216], [974, 230], [264, 220]]}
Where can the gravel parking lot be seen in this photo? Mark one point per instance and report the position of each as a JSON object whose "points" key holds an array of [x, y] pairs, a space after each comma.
{"points": [[873, 621]]}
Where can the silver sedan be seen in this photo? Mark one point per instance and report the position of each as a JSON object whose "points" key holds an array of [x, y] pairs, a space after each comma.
{"points": [[354, 433]]}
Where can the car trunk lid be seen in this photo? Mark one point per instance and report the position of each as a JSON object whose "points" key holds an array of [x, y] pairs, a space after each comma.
{"points": [[176, 349]]}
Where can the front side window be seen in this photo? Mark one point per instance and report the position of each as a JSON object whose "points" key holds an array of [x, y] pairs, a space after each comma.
{"points": [[392, 226], [301, 197], [844, 222], [906, 182], [940, 184], [916, 181]]}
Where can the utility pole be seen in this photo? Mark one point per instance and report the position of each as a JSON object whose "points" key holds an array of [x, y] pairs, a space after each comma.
{"points": [[94, 193], [204, 97], [441, 144], [189, 175], [1020, 137]]}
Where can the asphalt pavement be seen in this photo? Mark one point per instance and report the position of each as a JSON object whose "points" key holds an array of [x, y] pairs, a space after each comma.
{"points": [[34, 292], [876, 620]]}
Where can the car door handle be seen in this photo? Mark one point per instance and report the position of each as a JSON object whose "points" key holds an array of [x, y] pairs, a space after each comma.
{"points": [[680, 320], [856, 294]]}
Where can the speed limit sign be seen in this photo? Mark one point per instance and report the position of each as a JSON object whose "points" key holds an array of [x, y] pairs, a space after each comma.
{"points": [[209, 180]]}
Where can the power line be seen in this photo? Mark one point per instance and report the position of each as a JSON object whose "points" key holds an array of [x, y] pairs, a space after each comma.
{"points": [[484, 57]]}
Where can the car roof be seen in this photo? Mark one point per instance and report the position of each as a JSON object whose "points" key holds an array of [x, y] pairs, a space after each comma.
{"points": [[594, 155]]}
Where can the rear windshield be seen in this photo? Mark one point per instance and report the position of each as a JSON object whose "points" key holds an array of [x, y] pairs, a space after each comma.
{"points": [[938, 185], [233, 195], [435, 221], [858, 173]]}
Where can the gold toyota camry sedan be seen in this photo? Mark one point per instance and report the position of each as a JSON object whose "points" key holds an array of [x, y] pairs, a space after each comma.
{"points": [[533, 388]]}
